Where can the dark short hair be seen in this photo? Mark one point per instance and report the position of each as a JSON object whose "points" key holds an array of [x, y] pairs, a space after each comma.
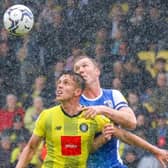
{"points": [[76, 77]]}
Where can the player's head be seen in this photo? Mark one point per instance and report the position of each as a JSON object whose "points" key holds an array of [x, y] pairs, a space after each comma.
{"points": [[69, 85], [88, 68]]}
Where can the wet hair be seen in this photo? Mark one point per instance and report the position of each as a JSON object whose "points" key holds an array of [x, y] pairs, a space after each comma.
{"points": [[76, 77], [94, 61]]}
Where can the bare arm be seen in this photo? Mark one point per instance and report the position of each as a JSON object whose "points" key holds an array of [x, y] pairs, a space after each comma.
{"points": [[98, 142], [124, 117], [28, 151], [132, 139]]}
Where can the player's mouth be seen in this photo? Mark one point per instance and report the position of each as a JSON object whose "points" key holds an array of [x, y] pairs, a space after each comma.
{"points": [[59, 93], [84, 77]]}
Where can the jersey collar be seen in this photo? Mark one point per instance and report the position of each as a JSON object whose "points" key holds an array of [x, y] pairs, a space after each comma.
{"points": [[71, 116], [93, 99]]}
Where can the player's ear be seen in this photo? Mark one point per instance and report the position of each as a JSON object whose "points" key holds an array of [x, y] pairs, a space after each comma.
{"points": [[78, 91]]}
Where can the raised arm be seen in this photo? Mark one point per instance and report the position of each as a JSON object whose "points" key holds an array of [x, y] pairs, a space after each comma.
{"points": [[28, 151]]}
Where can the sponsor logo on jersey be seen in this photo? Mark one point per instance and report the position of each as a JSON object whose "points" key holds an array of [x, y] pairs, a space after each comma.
{"points": [[71, 145], [83, 127]]}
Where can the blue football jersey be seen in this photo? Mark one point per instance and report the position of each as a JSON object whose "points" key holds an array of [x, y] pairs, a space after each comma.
{"points": [[108, 155]]}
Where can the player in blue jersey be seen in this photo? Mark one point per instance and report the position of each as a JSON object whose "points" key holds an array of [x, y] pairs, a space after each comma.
{"points": [[110, 103]]}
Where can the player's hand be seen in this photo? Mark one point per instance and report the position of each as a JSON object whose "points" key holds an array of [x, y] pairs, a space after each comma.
{"points": [[91, 111], [108, 131], [162, 156]]}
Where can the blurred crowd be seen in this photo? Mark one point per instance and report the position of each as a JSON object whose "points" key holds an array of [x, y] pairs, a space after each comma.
{"points": [[116, 33]]}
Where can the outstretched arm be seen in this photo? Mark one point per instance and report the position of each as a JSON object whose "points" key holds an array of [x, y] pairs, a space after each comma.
{"points": [[132, 139], [28, 151]]}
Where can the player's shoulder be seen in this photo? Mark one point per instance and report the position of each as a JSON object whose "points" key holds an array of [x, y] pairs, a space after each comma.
{"points": [[56, 107], [116, 91], [51, 109], [102, 118], [113, 91]]}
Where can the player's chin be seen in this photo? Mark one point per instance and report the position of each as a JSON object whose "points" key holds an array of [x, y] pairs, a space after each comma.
{"points": [[59, 98]]}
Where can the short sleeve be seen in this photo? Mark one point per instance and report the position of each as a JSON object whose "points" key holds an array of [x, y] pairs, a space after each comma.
{"points": [[40, 125], [119, 100]]}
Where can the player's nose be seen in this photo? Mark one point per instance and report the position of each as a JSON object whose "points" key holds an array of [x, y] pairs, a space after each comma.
{"points": [[59, 85], [81, 70]]}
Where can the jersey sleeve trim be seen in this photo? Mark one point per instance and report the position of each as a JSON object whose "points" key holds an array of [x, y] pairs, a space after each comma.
{"points": [[120, 105]]}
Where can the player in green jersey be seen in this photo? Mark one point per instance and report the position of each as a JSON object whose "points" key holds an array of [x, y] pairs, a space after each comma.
{"points": [[68, 135]]}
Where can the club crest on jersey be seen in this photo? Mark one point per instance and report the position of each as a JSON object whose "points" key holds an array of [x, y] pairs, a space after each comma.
{"points": [[108, 103], [83, 127]]}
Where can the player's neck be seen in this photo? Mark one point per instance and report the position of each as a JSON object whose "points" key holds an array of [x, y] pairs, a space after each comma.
{"points": [[92, 91], [71, 108]]}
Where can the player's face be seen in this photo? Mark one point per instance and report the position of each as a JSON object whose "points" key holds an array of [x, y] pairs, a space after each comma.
{"points": [[86, 68], [66, 88]]}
